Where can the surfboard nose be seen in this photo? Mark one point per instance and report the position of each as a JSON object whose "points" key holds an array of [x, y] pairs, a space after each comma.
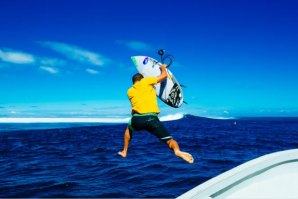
{"points": [[139, 60]]}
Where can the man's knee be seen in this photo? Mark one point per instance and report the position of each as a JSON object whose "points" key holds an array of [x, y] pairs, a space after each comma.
{"points": [[170, 142]]}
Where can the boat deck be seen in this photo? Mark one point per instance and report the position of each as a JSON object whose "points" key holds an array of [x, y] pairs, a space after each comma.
{"points": [[273, 176]]}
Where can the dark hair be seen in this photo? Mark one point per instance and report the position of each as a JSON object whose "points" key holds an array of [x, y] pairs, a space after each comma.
{"points": [[137, 77]]}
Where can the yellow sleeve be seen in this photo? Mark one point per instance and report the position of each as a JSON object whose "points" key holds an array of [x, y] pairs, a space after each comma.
{"points": [[150, 80], [129, 93]]}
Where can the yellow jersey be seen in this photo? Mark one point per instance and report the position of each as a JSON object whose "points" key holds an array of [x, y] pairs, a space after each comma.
{"points": [[142, 96]]}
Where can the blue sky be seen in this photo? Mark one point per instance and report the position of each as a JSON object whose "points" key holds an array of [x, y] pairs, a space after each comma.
{"points": [[237, 58]]}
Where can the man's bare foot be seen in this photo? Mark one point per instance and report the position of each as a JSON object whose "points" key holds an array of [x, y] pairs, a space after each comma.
{"points": [[122, 153], [185, 156]]}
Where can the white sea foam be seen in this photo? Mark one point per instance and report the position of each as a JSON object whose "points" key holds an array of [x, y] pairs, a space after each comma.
{"points": [[82, 119], [172, 117], [63, 120], [219, 118]]}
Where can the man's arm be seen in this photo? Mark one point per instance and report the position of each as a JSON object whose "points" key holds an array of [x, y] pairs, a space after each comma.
{"points": [[163, 75]]}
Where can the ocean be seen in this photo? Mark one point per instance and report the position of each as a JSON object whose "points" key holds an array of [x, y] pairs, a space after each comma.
{"points": [[80, 160]]}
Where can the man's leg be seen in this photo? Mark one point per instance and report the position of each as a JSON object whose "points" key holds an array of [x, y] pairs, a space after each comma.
{"points": [[175, 147], [158, 129], [127, 138]]}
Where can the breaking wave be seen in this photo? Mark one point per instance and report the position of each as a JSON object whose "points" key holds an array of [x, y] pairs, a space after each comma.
{"points": [[83, 119]]}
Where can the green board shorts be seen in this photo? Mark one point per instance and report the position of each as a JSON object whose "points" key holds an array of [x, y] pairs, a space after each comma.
{"points": [[149, 122]]}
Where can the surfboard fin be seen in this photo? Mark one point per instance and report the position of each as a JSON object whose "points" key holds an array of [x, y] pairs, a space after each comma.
{"points": [[183, 86], [185, 102]]}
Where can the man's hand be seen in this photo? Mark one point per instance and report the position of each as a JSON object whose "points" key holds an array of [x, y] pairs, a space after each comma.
{"points": [[163, 66], [163, 75]]}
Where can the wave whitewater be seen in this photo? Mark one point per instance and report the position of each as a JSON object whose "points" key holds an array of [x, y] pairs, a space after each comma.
{"points": [[84, 119]]}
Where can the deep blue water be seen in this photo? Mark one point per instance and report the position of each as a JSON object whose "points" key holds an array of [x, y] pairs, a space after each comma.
{"points": [[83, 161]]}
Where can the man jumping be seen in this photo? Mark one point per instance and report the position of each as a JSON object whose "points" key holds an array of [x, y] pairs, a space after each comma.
{"points": [[145, 112]]}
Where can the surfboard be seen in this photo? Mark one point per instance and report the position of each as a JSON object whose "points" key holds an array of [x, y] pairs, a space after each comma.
{"points": [[169, 90]]}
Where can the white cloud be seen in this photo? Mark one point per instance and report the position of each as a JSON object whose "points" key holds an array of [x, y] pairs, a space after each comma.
{"points": [[52, 62], [91, 71], [16, 57], [76, 53], [226, 112], [49, 69], [135, 45]]}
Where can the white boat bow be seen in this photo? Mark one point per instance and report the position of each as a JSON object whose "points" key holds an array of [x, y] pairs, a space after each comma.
{"points": [[272, 176]]}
